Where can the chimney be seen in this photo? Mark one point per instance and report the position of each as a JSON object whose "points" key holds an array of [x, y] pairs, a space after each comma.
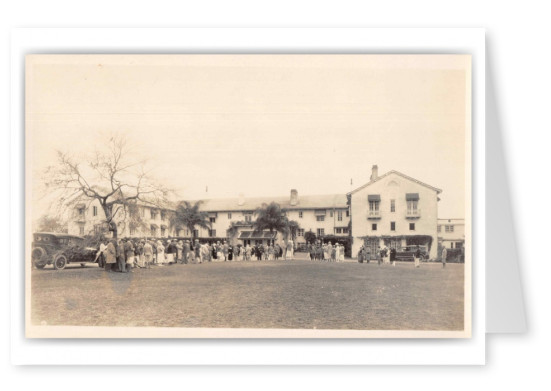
{"points": [[241, 200], [294, 197], [374, 173]]}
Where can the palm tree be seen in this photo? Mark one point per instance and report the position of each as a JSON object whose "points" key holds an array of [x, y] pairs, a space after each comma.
{"points": [[272, 218], [189, 216], [292, 228]]}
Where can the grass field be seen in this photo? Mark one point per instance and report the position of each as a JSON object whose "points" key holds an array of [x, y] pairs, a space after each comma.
{"points": [[276, 294]]}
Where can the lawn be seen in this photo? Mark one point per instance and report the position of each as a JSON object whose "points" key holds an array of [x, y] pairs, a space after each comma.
{"points": [[275, 294]]}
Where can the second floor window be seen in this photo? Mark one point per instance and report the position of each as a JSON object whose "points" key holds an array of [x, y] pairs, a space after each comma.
{"points": [[300, 214], [321, 231], [449, 228], [300, 232], [412, 207], [393, 205], [374, 206], [229, 216], [339, 215], [248, 217], [81, 211], [320, 218], [439, 228], [212, 233], [95, 210], [212, 219], [393, 226]]}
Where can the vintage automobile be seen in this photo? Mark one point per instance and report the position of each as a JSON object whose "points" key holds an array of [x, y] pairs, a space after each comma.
{"points": [[60, 249], [407, 253]]}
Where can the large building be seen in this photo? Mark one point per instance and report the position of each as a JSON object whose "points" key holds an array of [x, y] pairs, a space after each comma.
{"points": [[394, 210], [451, 233], [324, 215]]}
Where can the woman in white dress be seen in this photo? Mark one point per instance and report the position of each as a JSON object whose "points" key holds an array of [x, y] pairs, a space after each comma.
{"points": [[341, 259], [338, 251], [160, 253]]}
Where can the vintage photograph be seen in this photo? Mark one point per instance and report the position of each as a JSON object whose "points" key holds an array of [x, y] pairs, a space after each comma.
{"points": [[199, 195]]}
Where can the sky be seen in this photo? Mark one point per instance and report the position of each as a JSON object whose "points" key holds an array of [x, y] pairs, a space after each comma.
{"points": [[215, 126]]}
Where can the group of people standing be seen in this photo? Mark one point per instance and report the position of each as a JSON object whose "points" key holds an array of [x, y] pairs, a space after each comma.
{"points": [[327, 252], [123, 255]]}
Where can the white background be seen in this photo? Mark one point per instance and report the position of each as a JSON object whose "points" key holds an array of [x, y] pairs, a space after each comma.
{"points": [[518, 55]]}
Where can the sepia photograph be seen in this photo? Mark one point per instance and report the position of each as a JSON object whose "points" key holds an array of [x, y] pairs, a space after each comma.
{"points": [[248, 196]]}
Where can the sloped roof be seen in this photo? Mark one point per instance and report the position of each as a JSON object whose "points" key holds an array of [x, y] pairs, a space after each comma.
{"points": [[438, 191], [328, 201]]}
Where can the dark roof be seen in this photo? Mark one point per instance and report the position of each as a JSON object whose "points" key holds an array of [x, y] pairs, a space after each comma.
{"points": [[438, 191], [59, 235], [328, 201], [257, 235]]}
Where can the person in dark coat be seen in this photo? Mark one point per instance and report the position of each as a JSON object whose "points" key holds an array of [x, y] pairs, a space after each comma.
{"points": [[230, 252], [121, 260]]}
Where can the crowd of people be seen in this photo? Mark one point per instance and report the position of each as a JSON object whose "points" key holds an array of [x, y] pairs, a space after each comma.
{"points": [[327, 252], [123, 255]]}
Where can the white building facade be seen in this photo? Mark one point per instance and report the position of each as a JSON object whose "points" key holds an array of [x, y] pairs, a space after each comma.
{"points": [[451, 233], [324, 215], [394, 210]]}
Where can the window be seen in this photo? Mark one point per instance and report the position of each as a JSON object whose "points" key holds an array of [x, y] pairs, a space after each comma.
{"points": [[393, 226], [300, 232], [339, 215], [248, 217], [439, 228], [412, 207], [321, 231], [195, 233], [338, 230], [393, 206], [212, 233], [347, 213], [320, 218], [331, 214], [153, 231], [300, 214], [374, 206], [345, 230], [81, 211], [212, 219], [163, 231], [95, 210], [374, 227], [229, 216], [153, 214], [412, 226], [163, 215], [132, 231], [449, 228], [81, 230]]}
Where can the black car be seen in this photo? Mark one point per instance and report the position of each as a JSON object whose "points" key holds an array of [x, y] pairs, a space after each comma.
{"points": [[407, 253], [60, 249]]}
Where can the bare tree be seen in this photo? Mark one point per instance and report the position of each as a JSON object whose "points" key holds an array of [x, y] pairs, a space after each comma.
{"points": [[110, 176]]}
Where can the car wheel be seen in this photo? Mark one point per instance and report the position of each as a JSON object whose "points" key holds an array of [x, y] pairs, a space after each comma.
{"points": [[38, 256], [60, 262]]}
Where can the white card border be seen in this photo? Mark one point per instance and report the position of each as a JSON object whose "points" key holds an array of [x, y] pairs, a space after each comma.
{"points": [[246, 352]]}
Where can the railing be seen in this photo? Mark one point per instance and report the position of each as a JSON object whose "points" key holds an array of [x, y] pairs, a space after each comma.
{"points": [[373, 214], [413, 213]]}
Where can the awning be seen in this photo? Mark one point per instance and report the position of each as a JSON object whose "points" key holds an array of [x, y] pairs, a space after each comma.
{"points": [[412, 196], [374, 197], [320, 212], [257, 235]]}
